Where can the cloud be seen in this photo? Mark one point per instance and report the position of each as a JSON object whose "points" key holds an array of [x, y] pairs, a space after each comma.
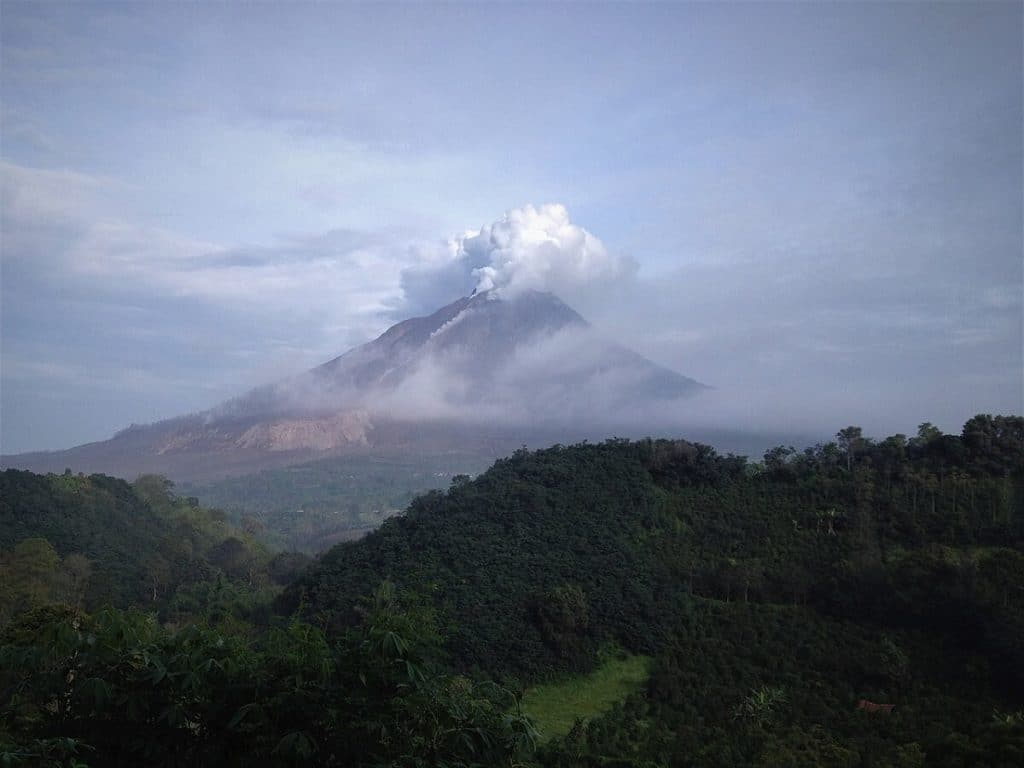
{"points": [[75, 231], [540, 249], [529, 248]]}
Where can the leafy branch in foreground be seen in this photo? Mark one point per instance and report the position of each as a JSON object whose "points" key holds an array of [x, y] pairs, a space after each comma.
{"points": [[123, 690]]}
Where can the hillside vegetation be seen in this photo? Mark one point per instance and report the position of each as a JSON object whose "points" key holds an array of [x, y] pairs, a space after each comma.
{"points": [[888, 571], [555, 551], [136, 630], [858, 603], [96, 541]]}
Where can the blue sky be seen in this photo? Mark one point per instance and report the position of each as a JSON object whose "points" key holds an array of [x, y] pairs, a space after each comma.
{"points": [[821, 203]]}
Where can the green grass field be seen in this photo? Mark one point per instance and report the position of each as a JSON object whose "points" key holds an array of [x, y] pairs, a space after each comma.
{"points": [[555, 707]]}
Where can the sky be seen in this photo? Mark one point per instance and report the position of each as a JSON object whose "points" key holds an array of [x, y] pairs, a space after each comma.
{"points": [[814, 208]]}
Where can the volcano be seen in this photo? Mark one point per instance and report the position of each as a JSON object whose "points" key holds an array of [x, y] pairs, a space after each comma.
{"points": [[486, 373]]}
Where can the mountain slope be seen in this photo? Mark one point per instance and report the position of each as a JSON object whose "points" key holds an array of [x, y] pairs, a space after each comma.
{"points": [[480, 351], [484, 374]]}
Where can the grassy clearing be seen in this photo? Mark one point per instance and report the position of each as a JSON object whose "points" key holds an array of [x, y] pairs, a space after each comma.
{"points": [[555, 707]]}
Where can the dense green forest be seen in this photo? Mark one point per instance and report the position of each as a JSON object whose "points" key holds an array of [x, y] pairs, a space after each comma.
{"points": [[136, 629], [888, 571], [96, 541], [858, 603]]}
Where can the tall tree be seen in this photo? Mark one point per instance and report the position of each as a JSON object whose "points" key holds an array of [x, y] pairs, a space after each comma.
{"points": [[850, 441]]}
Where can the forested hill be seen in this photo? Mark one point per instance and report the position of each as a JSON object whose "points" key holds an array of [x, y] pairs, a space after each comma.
{"points": [[548, 555], [857, 604], [94, 540]]}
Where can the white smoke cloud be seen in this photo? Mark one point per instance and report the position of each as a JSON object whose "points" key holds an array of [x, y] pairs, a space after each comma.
{"points": [[539, 248], [530, 247]]}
